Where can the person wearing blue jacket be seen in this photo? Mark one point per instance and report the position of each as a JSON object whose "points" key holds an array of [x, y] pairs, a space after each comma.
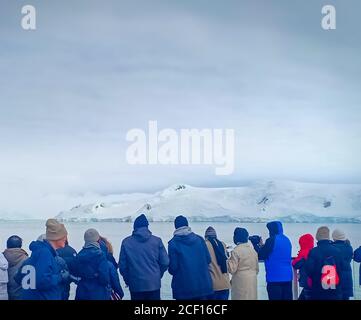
{"points": [[115, 287], [116, 291], [324, 266], [357, 258], [143, 261], [107, 248], [68, 255], [47, 272], [340, 242], [92, 267], [277, 256], [189, 261]]}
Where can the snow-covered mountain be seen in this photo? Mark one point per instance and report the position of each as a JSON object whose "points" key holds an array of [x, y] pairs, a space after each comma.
{"points": [[255, 202]]}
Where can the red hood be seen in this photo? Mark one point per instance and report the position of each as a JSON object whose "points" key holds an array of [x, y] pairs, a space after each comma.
{"points": [[306, 242]]}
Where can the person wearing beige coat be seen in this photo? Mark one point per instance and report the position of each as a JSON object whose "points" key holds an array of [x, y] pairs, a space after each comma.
{"points": [[219, 256], [243, 265]]}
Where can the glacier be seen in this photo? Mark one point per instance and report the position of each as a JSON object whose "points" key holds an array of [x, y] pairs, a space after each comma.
{"points": [[258, 201]]}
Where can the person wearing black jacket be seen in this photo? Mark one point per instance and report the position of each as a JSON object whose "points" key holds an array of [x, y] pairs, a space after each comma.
{"points": [[68, 255], [321, 260]]}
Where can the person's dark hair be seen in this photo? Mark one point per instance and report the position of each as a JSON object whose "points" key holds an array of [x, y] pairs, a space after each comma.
{"points": [[240, 236], [14, 242]]}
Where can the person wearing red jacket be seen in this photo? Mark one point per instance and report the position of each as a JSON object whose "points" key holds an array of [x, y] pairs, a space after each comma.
{"points": [[306, 242]]}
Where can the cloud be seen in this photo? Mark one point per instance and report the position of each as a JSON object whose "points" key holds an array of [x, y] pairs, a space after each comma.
{"points": [[92, 71]]}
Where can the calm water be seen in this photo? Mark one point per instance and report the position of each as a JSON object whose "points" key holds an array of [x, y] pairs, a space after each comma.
{"points": [[115, 232]]}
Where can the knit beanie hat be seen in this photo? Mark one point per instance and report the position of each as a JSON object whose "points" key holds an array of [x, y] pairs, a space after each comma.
{"points": [[323, 233], [240, 235], [141, 221], [55, 230], [14, 242], [91, 235], [210, 233], [337, 234], [180, 221]]}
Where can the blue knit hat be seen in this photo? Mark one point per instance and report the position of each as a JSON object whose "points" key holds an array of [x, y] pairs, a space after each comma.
{"points": [[240, 235], [180, 221], [141, 221], [14, 242]]}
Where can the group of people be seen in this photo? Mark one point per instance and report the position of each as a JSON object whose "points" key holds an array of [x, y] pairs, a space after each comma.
{"points": [[325, 271], [201, 268], [53, 265]]}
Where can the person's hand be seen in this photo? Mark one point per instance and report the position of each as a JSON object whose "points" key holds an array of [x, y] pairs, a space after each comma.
{"points": [[260, 242], [74, 279]]}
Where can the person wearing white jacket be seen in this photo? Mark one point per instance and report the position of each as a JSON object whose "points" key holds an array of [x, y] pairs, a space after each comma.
{"points": [[243, 265], [3, 278]]}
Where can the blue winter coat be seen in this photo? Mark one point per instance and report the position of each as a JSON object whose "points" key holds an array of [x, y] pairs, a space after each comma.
{"points": [[108, 255], [68, 255], [143, 261], [113, 273], [189, 262], [314, 265], [93, 269], [346, 271], [300, 265], [114, 280], [277, 254], [47, 279], [357, 258], [65, 283]]}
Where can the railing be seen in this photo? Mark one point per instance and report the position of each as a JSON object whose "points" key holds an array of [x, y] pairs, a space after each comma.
{"points": [[262, 285]]}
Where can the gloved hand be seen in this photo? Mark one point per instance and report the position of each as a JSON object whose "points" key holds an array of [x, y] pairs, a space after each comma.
{"points": [[256, 240], [74, 279], [64, 276]]}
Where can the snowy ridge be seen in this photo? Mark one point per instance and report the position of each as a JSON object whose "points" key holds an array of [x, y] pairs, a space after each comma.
{"points": [[256, 202]]}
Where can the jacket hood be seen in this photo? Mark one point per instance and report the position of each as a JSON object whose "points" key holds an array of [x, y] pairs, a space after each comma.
{"points": [[274, 228], [142, 234], [306, 242], [15, 256], [187, 239], [36, 246], [88, 254]]}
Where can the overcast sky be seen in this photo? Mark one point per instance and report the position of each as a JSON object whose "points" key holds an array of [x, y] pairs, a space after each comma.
{"points": [[93, 70]]}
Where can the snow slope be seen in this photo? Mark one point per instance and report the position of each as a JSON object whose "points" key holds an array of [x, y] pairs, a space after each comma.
{"points": [[256, 202]]}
